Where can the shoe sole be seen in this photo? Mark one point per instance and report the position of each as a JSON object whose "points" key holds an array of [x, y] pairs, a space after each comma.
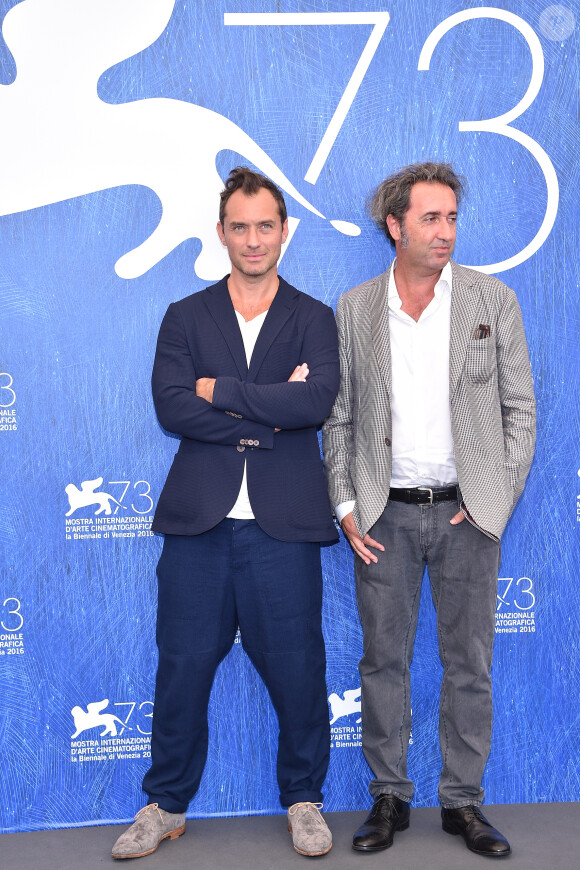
{"points": [[454, 833], [170, 835], [402, 827], [312, 854]]}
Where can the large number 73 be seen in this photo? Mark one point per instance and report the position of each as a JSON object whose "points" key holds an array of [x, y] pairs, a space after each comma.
{"points": [[522, 595], [499, 125]]}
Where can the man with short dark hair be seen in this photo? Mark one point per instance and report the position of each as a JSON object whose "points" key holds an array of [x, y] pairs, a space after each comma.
{"points": [[245, 371], [427, 450]]}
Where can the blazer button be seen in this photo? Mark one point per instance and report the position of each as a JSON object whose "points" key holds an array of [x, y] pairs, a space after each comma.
{"points": [[388, 442], [256, 443], [240, 449]]}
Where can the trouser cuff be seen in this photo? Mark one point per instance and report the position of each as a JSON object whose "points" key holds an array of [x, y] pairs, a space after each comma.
{"points": [[457, 805], [298, 797], [167, 804]]}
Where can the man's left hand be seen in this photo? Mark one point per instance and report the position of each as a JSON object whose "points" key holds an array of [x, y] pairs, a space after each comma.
{"points": [[204, 388], [458, 518]]}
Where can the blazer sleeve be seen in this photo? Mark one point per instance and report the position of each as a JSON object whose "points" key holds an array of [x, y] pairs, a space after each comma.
{"points": [[179, 409], [516, 394], [293, 405], [338, 430]]}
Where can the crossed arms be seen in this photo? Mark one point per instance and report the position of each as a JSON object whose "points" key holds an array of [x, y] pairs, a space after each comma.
{"points": [[259, 409]]}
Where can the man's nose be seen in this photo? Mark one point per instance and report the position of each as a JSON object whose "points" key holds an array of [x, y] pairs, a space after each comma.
{"points": [[252, 238], [446, 231]]}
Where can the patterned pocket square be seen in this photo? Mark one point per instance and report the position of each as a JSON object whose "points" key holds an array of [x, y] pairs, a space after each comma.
{"points": [[482, 331]]}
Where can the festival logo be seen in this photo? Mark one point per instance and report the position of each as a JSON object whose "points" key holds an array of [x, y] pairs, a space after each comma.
{"points": [[90, 145], [109, 516], [111, 743]]}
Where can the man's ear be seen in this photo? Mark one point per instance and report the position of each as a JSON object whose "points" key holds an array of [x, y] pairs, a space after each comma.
{"points": [[220, 232], [394, 227], [284, 230]]}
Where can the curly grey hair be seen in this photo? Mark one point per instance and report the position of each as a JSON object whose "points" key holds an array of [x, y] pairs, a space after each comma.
{"points": [[393, 194]]}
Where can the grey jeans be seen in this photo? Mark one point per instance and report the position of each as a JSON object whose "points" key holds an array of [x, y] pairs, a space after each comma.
{"points": [[463, 565]]}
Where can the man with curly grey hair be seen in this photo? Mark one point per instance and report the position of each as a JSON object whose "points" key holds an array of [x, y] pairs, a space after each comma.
{"points": [[427, 450]]}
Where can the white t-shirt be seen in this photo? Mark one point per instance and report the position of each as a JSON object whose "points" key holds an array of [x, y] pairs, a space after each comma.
{"points": [[242, 510]]}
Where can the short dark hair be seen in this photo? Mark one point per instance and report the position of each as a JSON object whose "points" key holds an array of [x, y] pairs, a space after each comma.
{"points": [[250, 182], [393, 194]]}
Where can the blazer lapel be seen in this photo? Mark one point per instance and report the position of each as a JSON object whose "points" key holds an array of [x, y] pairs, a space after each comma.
{"points": [[221, 309], [280, 310], [378, 299], [461, 323]]}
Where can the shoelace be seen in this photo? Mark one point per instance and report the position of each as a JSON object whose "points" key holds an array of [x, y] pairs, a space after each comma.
{"points": [[295, 807], [146, 810], [475, 813], [384, 808]]}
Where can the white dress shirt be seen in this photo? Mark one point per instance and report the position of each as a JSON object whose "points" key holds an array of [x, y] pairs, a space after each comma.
{"points": [[242, 509], [421, 420]]}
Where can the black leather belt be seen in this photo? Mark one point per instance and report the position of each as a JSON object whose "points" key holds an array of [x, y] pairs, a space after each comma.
{"points": [[424, 494]]}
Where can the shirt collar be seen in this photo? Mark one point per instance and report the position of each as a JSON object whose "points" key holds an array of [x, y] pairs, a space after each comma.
{"points": [[445, 282], [442, 287]]}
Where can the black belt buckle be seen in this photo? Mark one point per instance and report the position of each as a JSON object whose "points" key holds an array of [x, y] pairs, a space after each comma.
{"points": [[426, 489]]}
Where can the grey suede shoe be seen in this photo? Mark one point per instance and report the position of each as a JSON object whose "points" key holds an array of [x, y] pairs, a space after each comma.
{"points": [[310, 834], [151, 825]]}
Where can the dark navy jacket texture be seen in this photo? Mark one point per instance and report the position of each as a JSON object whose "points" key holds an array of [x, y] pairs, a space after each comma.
{"points": [[200, 338]]}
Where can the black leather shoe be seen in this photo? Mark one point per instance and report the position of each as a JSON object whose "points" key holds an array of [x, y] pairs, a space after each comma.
{"points": [[388, 814], [479, 835]]}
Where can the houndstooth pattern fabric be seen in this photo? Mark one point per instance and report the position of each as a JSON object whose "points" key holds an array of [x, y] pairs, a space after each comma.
{"points": [[491, 396]]}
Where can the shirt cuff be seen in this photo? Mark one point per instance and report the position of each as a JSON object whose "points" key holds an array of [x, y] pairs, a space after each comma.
{"points": [[344, 508]]}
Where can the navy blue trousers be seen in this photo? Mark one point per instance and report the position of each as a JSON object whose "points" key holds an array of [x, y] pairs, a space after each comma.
{"points": [[209, 584]]}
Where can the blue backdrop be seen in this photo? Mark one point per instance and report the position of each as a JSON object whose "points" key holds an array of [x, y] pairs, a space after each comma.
{"points": [[118, 119]]}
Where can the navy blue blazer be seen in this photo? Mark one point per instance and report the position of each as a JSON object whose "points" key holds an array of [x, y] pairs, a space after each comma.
{"points": [[200, 338]]}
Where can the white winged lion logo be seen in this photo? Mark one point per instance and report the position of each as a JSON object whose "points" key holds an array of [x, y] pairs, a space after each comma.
{"points": [[93, 717], [345, 706], [61, 48], [87, 496]]}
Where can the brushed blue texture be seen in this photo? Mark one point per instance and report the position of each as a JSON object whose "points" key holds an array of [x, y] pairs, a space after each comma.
{"points": [[78, 343]]}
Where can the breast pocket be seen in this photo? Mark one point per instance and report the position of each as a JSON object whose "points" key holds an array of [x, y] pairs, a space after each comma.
{"points": [[480, 362]]}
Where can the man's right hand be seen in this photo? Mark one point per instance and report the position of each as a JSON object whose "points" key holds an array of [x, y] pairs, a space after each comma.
{"points": [[300, 373], [360, 545]]}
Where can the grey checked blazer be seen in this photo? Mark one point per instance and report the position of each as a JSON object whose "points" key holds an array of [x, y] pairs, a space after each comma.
{"points": [[491, 396]]}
